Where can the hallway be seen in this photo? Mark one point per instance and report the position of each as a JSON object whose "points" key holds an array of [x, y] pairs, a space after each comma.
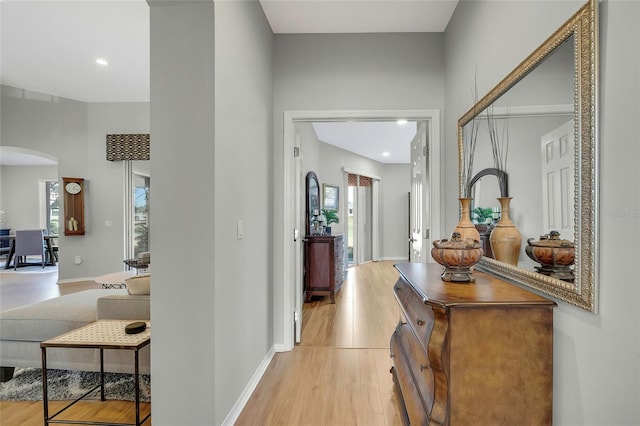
{"points": [[339, 373]]}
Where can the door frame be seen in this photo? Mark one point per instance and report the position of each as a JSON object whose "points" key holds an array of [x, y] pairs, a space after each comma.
{"points": [[288, 248]]}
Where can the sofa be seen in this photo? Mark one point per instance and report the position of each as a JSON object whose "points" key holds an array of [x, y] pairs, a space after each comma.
{"points": [[23, 328]]}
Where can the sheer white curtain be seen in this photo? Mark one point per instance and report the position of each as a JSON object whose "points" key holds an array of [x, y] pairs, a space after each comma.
{"points": [[363, 214]]}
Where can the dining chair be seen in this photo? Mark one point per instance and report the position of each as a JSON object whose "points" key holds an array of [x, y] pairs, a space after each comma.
{"points": [[28, 242]]}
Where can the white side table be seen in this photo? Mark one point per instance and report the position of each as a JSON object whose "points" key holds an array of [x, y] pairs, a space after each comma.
{"points": [[114, 279]]}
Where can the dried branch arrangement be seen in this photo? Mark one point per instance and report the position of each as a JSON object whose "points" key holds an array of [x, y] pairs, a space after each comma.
{"points": [[499, 138], [470, 140]]}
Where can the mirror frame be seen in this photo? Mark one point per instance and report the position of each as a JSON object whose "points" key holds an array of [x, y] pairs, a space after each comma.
{"points": [[583, 292], [311, 177]]}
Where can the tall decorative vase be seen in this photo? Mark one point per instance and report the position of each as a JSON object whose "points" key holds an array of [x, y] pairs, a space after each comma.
{"points": [[505, 238], [465, 227]]}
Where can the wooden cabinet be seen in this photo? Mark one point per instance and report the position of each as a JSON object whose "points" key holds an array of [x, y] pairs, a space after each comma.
{"points": [[323, 265], [471, 353]]}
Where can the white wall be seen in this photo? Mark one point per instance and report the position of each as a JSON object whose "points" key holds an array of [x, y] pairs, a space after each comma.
{"points": [[211, 118], [74, 133], [347, 72], [20, 194], [596, 357]]}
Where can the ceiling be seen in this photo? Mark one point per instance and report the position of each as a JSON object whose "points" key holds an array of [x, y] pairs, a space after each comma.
{"points": [[51, 46], [384, 141]]}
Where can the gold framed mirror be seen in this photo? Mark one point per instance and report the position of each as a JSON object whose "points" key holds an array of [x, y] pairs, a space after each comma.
{"points": [[554, 86]]}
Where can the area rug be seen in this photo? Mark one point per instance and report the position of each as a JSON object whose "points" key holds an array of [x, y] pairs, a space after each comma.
{"points": [[26, 385]]}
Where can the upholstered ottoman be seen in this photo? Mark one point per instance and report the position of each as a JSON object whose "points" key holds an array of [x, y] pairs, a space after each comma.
{"points": [[23, 328]]}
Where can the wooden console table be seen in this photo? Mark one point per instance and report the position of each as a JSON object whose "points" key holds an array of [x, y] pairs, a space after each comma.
{"points": [[471, 353]]}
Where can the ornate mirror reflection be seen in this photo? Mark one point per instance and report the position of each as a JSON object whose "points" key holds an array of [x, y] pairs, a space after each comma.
{"points": [[544, 113], [312, 200]]}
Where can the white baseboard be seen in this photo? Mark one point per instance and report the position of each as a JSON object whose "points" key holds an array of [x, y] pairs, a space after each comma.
{"points": [[278, 347], [242, 400], [75, 280]]}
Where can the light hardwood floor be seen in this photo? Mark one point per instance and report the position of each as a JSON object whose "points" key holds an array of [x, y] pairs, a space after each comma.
{"points": [[337, 375]]}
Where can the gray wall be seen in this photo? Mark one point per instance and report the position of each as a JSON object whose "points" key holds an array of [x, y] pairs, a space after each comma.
{"points": [[596, 358], [394, 186], [394, 215], [243, 190], [211, 121], [183, 300], [74, 133], [106, 180], [347, 72], [20, 194]]}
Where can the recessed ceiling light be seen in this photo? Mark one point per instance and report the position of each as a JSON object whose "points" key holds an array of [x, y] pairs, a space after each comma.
{"points": [[385, 154], [102, 61], [402, 122]]}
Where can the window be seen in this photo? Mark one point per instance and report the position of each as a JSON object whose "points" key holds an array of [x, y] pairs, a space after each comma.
{"points": [[141, 214], [138, 215], [52, 207]]}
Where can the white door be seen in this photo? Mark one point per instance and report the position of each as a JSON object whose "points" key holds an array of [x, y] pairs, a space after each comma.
{"points": [[298, 196], [557, 180], [418, 211]]}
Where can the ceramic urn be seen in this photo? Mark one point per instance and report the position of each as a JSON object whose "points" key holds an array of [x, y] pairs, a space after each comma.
{"points": [[457, 256]]}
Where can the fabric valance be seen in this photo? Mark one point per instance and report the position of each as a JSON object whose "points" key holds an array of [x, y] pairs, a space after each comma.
{"points": [[128, 147]]}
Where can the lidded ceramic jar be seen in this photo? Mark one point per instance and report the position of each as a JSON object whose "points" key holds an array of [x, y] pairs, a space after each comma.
{"points": [[555, 255], [457, 256]]}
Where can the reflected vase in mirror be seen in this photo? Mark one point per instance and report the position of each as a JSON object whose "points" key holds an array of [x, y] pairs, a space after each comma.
{"points": [[465, 227], [505, 238]]}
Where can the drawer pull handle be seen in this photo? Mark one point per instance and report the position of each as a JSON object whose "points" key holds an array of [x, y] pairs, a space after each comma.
{"points": [[423, 367], [419, 322]]}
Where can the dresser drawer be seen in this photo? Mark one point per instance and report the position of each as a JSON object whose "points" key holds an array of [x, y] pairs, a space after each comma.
{"points": [[413, 402], [419, 315], [418, 364]]}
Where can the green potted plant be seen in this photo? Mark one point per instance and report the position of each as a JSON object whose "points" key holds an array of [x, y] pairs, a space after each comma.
{"points": [[481, 214], [331, 216]]}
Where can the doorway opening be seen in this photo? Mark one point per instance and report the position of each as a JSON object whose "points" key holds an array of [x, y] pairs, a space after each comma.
{"points": [[360, 228], [291, 280]]}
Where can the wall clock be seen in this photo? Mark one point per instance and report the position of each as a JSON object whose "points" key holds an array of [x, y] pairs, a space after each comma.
{"points": [[73, 189]]}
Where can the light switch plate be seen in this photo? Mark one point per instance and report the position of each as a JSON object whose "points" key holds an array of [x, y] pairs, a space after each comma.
{"points": [[240, 229]]}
